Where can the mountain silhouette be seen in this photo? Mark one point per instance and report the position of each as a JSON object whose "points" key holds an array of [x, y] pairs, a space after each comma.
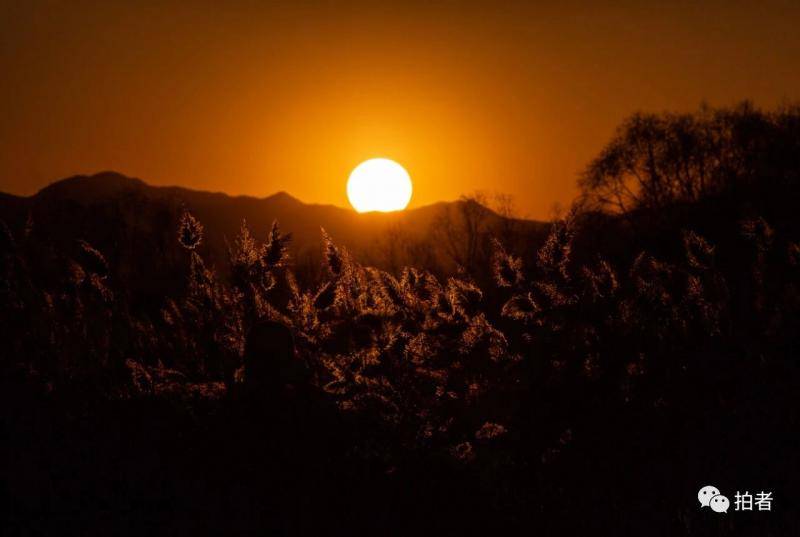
{"points": [[135, 224]]}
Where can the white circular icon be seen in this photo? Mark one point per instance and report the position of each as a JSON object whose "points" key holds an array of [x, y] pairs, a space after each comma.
{"points": [[720, 503], [706, 493]]}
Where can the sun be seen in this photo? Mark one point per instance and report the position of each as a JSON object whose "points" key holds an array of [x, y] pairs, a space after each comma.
{"points": [[379, 184]]}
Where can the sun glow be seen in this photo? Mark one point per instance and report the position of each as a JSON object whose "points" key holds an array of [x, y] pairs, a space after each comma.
{"points": [[379, 184]]}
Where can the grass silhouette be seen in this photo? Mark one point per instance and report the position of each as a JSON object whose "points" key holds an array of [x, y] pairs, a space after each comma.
{"points": [[592, 388]]}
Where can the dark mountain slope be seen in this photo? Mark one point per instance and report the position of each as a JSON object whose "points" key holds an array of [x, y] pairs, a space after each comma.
{"points": [[135, 225]]}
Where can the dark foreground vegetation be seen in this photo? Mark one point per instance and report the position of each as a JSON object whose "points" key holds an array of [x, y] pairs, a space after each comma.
{"points": [[647, 348]]}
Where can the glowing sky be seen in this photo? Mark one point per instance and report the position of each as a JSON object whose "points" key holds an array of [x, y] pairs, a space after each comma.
{"points": [[253, 97]]}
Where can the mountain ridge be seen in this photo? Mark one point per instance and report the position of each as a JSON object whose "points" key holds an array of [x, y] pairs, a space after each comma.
{"points": [[125, 182], [109, 184], [135, 224]]}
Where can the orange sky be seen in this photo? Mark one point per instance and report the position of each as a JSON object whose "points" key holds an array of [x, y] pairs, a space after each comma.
{"points": [[251, 97]]}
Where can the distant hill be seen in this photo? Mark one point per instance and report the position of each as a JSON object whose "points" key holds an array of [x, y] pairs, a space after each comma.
{"points": [[135, 224]]}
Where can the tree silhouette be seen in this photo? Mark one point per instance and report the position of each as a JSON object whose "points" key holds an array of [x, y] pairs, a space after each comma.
{"points": [[657, 159]]}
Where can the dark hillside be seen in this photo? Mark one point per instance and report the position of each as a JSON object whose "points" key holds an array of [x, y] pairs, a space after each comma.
{"points": [[133, 224]]}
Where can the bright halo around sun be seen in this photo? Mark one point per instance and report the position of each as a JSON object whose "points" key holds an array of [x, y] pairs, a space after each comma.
{"points": [[379, 184]]}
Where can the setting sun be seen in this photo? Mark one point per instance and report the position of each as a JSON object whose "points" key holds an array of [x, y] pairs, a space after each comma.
{"points": [[379, 184]]}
